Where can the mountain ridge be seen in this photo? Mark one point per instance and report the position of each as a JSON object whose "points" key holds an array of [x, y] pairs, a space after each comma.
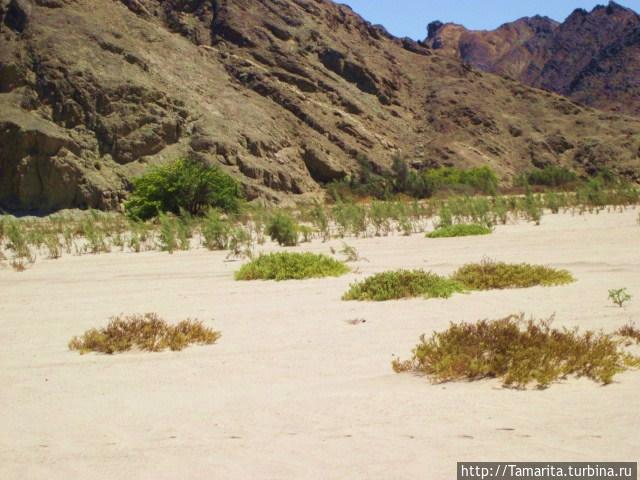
{"points": [[285, 95], [593, 57]]}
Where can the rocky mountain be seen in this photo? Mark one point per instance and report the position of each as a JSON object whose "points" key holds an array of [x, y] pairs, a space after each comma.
{"points": [[592, 57], [283, 94]]}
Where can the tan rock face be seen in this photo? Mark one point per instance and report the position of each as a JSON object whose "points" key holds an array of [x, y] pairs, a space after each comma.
{"points": [[592, 57], [282, 94]]}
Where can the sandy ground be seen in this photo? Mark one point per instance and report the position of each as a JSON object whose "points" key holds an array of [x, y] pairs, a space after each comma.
{"points": [[292, 390]]}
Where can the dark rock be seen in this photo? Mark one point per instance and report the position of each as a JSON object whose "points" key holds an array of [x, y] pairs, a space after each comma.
{"points": [[321, 167]]}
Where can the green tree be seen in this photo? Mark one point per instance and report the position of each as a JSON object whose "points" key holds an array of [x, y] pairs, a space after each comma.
{"points": [[187, 185]]}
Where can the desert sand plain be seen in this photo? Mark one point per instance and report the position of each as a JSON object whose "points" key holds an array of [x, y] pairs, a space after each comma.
{"points": [[293, 389]]}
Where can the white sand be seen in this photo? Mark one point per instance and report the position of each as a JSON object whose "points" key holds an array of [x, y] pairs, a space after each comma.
{"points": [[291, 390]]}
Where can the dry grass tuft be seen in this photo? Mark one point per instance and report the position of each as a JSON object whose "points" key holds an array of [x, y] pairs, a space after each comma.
{"points": [[518, 352], [146, 332], [630, 332]]}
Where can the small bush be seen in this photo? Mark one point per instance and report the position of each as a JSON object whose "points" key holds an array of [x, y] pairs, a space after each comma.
{"points": [[183, 185], [291, 266], [215, 231], [283, 229], [460, 230], [369, 181], [146, 332], [518, 352], [489, 275], [619, 296], [402, 284], [240, 243], [351, 253], [629, 331]]}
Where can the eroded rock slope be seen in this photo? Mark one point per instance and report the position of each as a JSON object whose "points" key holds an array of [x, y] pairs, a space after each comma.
{"points": [[283, 94]]}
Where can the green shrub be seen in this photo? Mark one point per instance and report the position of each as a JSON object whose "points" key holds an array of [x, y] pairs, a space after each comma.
{"points": [[380, 215], [167, 234], [372, 182], [518, 352], [95, 236], [18, 242], [320, 220], [402, 284], [147, 332], [531, 207], [186, 185], [240, 243], [283, 229], [460, 230], [479, 180], [291, 266], [619, 296], [594, 193], [350, 217], [549, 176], [17, 238], [367, 182], [215, 231], [408, 181], [489, 275]]}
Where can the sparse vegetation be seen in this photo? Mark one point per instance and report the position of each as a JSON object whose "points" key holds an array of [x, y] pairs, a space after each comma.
{"points": [[23, 240], [283, 229], [215, 231], [183, 185], [382, 185], [549, 176], [291, 266], [460, 230], [518, 352], [473, 180], [619, 296], [350, 253], [403, 284], [146, 332], [240, 243], [630, 332], [489, 275]]}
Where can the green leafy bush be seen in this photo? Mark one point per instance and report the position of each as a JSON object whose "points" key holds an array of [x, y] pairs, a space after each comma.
{"points": [[549, 176], [291, 266], [460, 230], [619, 296], [283, 229], [183, 185], [403, 284], [479, 180], [408, 181], [518, 352], [367, 182], [147, 332], [489, 275]]}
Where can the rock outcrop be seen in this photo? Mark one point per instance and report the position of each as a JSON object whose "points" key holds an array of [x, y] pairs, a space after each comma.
{"points": [[592, 57], [283, 94]]}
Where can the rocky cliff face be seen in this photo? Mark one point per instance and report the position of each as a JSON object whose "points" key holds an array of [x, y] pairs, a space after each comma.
{"points": [[283, 94], [592, 57]]}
